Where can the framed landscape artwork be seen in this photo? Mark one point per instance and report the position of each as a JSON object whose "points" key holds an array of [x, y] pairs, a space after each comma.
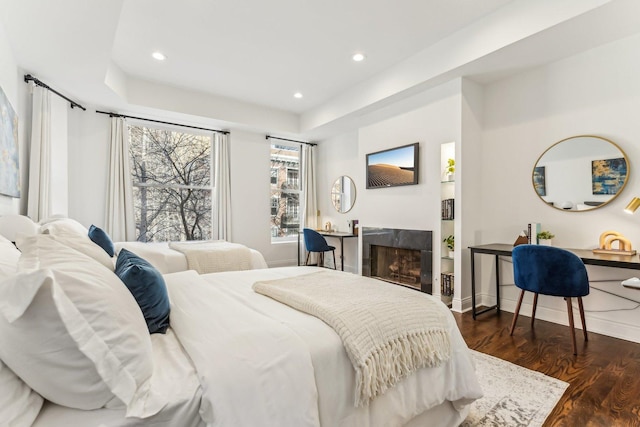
{"points": [[9, 166], [608, 176]]}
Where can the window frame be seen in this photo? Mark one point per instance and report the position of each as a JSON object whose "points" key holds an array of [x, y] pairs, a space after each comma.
{"points": [[174, 186], [283, 190]]}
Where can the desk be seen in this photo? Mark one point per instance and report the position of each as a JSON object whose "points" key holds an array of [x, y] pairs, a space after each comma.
{"points": [[339, 235], [586, 255]]}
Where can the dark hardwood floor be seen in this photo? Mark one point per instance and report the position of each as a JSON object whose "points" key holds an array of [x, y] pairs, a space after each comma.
{"points": [[604, 377]]}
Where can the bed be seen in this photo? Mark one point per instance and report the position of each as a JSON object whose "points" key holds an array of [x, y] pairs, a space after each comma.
{"points": [[231, 357], [168, 260]]}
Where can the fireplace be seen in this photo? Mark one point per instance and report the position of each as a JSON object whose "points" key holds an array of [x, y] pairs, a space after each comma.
{"points": [[399, 256]]}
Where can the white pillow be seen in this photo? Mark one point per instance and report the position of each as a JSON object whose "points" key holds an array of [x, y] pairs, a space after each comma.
{"points": [[19, 405], [9, 256], [73, 234], [57, 225], [73, 332]]}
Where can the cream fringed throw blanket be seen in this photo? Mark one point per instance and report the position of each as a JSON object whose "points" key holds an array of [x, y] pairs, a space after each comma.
{"points": [[212, 256], [388, 331]]}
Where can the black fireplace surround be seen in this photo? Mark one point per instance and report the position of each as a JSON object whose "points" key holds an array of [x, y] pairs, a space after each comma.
{"points": [[404, 239]]}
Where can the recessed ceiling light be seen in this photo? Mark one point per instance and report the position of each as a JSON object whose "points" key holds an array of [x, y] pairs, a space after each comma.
{"points": [[297, 95], [159, 56], [358, 57]]}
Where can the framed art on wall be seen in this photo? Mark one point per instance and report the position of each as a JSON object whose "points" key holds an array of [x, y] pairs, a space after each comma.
{"points": [[9, 166]]}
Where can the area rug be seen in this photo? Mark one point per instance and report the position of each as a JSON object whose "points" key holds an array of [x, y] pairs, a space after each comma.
{"points": [[513, 395]]}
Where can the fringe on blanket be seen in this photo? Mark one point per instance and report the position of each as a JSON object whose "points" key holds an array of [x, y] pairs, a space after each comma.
{"points": [[397, 359]]}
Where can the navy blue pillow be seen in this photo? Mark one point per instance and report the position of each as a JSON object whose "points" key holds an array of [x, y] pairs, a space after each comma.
{"points": [[102, 239], [148, 288]]}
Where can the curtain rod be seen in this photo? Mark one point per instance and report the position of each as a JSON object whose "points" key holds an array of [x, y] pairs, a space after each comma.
{"points": [[28, 78], [226, 132], [291, 140]]}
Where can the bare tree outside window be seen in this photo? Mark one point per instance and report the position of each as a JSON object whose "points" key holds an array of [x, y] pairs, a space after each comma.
{"points": [[285, 191], [172, 184]]}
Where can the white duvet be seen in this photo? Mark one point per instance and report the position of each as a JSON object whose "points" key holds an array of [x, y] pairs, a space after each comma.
{"points": [[262, 363]]}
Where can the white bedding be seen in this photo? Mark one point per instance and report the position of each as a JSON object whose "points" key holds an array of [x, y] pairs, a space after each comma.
{"points": [[261, 363], [173, 376], [168, 260]]}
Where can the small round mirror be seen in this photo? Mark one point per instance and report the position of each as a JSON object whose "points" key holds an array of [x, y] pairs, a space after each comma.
{"points": [[343, 194], [580, 173]]}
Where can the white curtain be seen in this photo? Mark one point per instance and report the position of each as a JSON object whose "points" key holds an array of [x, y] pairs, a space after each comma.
{"points": [[39, 200], [222, 191], [120, 221], [309, 182]]}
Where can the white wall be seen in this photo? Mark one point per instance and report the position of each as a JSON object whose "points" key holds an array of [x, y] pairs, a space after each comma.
{"points": [[409, 207], [597, 93]]}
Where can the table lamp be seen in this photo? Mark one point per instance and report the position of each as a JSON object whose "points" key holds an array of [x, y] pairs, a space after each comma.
{"points": [[633, 205]]}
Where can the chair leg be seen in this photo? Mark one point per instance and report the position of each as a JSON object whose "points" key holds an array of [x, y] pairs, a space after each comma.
{"points": [[320, 259], [515, 315], [306, 262], [335, 267], [584, 324], [533, 312], [573, 331]]}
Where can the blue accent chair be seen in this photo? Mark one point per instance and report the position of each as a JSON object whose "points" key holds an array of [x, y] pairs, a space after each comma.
{"points": [[315, 242], [548, 270]]}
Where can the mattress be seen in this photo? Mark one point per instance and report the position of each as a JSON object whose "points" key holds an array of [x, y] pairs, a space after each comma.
{"points": [[295, 365], [173, 376], [167, 260]]}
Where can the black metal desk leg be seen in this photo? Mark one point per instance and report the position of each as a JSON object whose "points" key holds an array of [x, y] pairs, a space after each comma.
{"points": [[298, 248], [342, 253], [498, 283], [473, 284]]}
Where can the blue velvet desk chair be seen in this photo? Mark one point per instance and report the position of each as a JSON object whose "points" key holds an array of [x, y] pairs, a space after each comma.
{"points": [[553, 271], [315, 242]]}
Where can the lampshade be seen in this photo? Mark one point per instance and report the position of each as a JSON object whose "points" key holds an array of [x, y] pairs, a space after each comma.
{"points": [[633, 205]]}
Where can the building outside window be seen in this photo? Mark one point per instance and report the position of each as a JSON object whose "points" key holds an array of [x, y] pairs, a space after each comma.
{"points": [[172, 174], [285, 192]]}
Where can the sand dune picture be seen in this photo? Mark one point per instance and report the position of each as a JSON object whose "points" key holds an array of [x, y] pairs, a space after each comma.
{"points": [[383, 175]]}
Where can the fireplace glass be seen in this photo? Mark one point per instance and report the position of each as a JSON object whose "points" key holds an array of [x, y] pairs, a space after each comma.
{"points": [[396, 265]]}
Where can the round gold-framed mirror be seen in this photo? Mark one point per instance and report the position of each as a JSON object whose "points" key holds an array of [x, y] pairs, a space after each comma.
{"points": [[343, 194], [581, 173]]}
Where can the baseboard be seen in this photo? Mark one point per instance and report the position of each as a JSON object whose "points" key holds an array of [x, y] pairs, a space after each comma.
{"points": [[595, 324]]}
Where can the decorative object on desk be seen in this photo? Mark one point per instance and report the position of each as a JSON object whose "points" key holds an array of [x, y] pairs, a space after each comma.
{"points": [[356, 227], [606, 244], [327, 226], [608, 176], [450, 169], [533, 228], [522, 239], [544, 238], [633, 283], [632, 206], [450, 242]]}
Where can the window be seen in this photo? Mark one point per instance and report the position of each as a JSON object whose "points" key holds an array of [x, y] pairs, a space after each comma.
{"points": [[285, 192], [172, 184]]}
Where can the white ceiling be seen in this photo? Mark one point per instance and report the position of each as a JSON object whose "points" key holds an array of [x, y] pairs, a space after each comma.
{"points": [[254, 54]]}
